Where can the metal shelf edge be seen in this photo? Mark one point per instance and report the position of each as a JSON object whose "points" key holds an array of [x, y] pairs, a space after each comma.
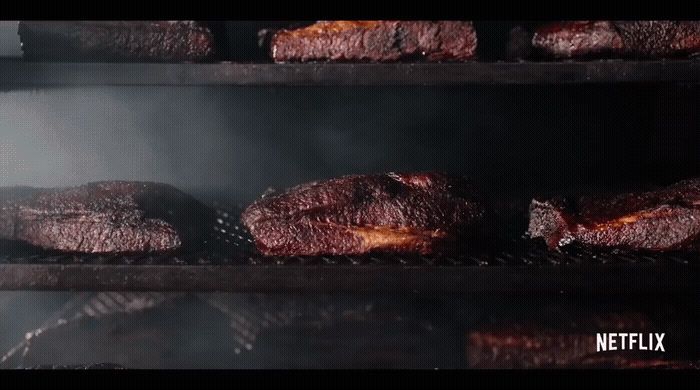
{"points": [[17, 74], [599, 279]]}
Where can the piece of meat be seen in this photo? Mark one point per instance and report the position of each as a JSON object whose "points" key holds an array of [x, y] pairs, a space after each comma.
{"points": [[660, 38], [578, 39], [533, 347], [629, 38], [662, 220], [408, 213], [106, 217], [376, 41], [569, 341], [116, 41]]}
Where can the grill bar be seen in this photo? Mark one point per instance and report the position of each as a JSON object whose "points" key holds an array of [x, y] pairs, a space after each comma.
{"points": [[230, 263], [602, 279], [16, 73]]}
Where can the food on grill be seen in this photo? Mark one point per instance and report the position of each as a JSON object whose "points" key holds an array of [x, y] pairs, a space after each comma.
{"points": [[574, 39], [661, 220], [376, 41], [406, 213], [660, 38], [571, 342], [631, 38], [116, 41], [515, 347], [106, 217]]}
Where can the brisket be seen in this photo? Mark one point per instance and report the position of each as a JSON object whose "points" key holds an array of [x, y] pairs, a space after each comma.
{"points": [[408, 213], [578, 39], [570, 341], [615, 38], [662, 220], [116, 41], [105, 217], [376, 41], [533, 347]]}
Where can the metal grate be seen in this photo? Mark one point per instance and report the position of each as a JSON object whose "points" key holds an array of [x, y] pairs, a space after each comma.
{"points": [[23, 74], [230, 263], [229, 243], [80, 306]]}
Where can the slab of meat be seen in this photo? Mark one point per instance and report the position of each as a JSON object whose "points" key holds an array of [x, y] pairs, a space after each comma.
{"points": [[660, 38], [662, 220], [534, 347], [409, 213], [376, 41], [516, 347], [578, 39], [555, 339], [629, 38], [116, 41], [105, 217]]}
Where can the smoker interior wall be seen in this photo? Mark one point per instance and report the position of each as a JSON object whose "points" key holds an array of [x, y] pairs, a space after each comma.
{"points": [[236, 142]]}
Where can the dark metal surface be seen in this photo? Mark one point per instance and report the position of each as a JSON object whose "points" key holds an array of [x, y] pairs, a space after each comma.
{"points": [[416, 279], [231, 263], [99, 366], [18, 74]]}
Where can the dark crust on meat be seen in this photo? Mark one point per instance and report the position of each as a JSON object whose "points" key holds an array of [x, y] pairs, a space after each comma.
{"points": [[663, 220], [106, 217], [116, 41], [410, 213], [578, 39], [687, 40], [376, 41], [660, 38], [630, 38]]}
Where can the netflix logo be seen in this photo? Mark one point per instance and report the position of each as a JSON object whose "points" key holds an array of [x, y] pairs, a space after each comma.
{"points": [[630, 342]]}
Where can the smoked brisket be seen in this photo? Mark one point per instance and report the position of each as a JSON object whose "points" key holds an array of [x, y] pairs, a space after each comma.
{"points": [[116, 41], [556, 336], [662, 220], [105, 217], [408, 213], [618, 38], [376, 41]]}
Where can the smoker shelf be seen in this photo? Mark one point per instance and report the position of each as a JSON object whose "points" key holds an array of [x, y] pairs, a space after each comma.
{"points": [[512, 270], [18, 73], [608, 279], [229, 262]]}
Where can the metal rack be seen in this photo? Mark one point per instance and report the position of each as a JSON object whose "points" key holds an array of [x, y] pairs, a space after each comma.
{"points": [[231, 263], [19, 74]]}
